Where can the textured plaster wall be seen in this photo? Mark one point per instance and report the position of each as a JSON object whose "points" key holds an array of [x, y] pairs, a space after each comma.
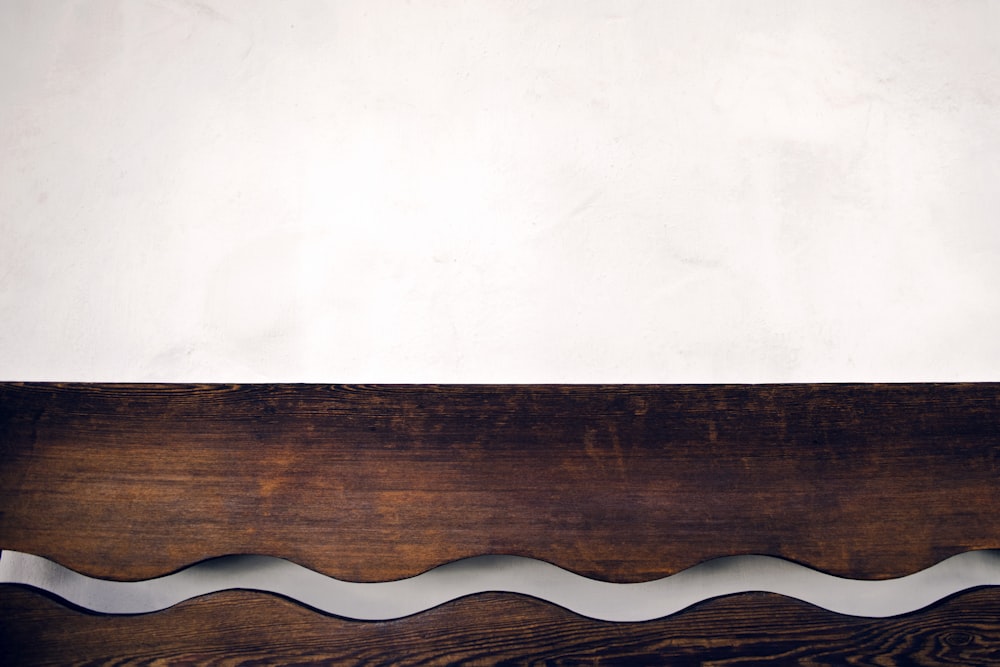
{"points": [[566, 190]]}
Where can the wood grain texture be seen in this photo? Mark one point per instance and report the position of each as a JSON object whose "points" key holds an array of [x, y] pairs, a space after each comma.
{"points": [[622, 483], [242, 628]]}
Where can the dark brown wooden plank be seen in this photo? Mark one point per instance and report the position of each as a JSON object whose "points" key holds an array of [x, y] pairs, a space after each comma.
{"points": [[239, 628], [616, 482]]}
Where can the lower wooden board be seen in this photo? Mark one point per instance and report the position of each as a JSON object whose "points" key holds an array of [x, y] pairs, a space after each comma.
{"points": [[245, 628]]}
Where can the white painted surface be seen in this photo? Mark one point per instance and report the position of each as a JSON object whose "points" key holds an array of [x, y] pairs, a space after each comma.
{"points": [[624, 603], [502, 191]]}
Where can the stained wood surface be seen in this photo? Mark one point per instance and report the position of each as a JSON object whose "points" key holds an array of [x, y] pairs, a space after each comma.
{"points": [[622, 483], [242, 628]]}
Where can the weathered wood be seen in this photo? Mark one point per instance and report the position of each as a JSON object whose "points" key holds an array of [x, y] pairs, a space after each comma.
{"points": [[243, 628], [622, 483]]}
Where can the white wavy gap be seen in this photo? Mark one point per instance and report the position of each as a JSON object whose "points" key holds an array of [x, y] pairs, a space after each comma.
{"points": [[512, 574]]}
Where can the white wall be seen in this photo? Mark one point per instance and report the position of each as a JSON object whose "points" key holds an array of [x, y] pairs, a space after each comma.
{"points": [[562, 190]]}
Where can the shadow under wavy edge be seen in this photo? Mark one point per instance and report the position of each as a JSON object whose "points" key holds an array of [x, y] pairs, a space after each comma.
{"points": [[510, 574]]}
